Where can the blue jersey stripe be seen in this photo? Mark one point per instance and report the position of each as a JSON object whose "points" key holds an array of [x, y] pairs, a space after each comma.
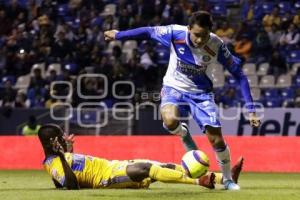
{"points": [[78, 162]]}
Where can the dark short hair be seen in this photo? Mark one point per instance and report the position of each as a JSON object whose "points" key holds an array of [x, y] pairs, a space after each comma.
{"points": [[48, 131], [201, 18]]}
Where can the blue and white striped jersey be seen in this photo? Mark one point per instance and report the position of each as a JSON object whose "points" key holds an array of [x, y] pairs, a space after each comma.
{"points": [[188, 65]]}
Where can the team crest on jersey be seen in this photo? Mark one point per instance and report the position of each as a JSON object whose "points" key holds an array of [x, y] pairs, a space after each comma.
{"points": [[206, 58]]}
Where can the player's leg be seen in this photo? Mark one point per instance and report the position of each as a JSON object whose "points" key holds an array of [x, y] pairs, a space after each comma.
{"points": [[172, 108], [235, 171], [171, 115], [205, 113], [216, 139], [139, 171]]}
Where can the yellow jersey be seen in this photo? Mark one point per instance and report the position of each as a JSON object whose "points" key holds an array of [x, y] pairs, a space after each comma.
{"points": [[93, 172], [88, 170]]}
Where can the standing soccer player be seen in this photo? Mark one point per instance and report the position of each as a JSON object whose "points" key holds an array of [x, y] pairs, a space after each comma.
{"points": [[186, 87]]}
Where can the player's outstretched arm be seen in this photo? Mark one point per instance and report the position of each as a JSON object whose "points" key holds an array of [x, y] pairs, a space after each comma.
{"points": [[233, 64], [137, 33], [160, 34]]}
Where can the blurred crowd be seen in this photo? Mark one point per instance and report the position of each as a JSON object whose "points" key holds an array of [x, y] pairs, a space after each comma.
{"points": [[70, 33]]}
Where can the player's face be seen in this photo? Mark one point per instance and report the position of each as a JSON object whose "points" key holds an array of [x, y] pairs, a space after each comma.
{"points": [[199, 35]]}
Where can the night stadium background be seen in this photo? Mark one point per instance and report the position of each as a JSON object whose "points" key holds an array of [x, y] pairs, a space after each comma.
{"points": [[56, 67]]}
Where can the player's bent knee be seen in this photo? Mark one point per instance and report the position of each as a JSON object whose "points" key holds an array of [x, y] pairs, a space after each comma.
{"points": [[171, 124], [138, 171]]}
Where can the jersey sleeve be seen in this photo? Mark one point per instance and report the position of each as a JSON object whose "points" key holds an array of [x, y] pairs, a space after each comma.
{"points": [[233, 65], [57, 171], [162, 34]]}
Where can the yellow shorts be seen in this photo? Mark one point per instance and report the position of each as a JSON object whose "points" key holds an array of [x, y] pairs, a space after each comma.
{"points": [[116, 176]]}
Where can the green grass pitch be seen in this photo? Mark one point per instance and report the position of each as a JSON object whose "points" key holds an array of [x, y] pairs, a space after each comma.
{"points": [[31, 185]]}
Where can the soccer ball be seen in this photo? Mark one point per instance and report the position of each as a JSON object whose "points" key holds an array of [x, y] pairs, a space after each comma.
{"points": [[195, 163]]}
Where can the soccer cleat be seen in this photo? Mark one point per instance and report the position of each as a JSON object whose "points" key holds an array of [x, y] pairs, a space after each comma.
{"points": [[236, 169], [208, 180], [230, 185]]}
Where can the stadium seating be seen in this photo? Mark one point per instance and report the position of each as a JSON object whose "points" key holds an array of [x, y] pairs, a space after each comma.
{"points": [[11, 78], [249, 69], [163, 57], [40, 66], [256, 94], [267, 7], [296, 81], [112, 44], [258, 73], [54, 66], [263, 69], [270, 93], [272, 103], [253, 80], [297, 5], [285, 6], [89, 69], [71, 67], [284, 81], [295, 69], [287, 93], [110, 9], [267, 81], [23, 82], [219, 10], [128, 46], [293, 56], [62, 10]]}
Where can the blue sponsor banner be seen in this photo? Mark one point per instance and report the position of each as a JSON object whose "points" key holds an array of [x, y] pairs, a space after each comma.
{"points": [[274, 122]]}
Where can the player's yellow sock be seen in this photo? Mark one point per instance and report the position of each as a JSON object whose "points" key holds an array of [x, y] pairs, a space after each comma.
{"points": [[169, 175], [219, 178]]}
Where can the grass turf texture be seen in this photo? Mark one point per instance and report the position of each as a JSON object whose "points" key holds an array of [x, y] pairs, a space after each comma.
{"points": [[37, 185]]}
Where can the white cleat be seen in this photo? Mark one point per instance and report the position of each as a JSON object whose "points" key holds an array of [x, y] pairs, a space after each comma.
{"points": [[230, 185]]}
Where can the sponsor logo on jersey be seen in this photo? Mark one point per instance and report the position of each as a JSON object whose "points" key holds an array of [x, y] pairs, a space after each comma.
{"points": [[190, 69]]}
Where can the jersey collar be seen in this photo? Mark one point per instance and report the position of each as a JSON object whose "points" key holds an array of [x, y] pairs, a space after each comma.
{"points": [[190, 43]]}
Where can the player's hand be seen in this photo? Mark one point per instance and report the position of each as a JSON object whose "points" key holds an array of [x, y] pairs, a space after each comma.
{"points": [[110, 35], [254, 121], [69, 141], [56, 146]]}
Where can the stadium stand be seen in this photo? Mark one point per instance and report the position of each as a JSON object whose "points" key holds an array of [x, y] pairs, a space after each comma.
{"points": [[64, 39]]}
